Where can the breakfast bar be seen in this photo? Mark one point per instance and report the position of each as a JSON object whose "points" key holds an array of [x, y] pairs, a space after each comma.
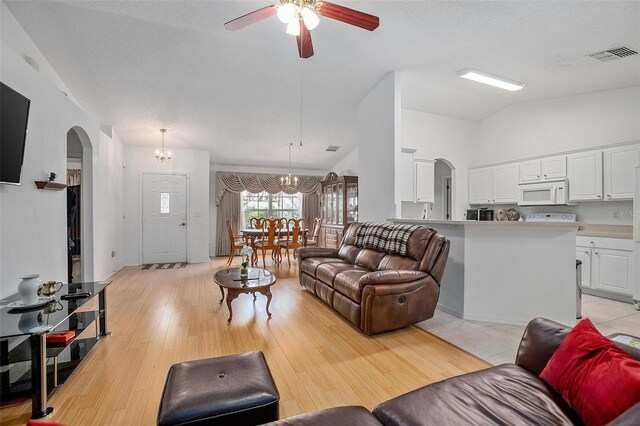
{"points": [[508, 272]]}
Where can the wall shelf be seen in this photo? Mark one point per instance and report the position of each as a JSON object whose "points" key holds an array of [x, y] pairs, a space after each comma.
{"points": [[51, 186]]}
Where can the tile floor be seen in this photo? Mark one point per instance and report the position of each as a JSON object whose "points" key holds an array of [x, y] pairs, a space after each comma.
{"points": [[497, 343]]}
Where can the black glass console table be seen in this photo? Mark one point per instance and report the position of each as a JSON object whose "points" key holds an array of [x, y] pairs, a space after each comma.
{"points": [[27, 363]]}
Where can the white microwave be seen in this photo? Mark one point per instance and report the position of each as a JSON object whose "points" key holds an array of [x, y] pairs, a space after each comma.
{"points": [[544, 193]]}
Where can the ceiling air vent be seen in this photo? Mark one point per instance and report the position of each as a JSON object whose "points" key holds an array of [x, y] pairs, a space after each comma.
{"points": [[612, 54], [332, 148]]}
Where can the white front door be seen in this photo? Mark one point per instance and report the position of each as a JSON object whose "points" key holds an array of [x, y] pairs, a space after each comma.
{"points": [[164, 218]]}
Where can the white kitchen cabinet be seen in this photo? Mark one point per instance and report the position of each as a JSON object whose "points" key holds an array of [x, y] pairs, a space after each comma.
{"points": [[619, 168], [406, 175], [612, 270], [584, 254], [505, 184], [530, 171], [425, 181], [585, 175], [481, 185], [607, 264], [554, 167]]}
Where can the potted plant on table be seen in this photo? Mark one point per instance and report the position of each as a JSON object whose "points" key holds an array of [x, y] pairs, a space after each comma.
{"points": [[246, 253]]}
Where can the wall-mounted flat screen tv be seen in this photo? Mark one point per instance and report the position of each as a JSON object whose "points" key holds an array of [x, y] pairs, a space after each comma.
{"points": [[14, 114]]}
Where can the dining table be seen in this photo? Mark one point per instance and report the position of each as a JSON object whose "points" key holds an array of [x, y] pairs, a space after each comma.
{"points": [[250, 235]]}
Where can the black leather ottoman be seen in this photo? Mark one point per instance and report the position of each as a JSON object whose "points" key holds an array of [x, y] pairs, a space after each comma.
{"points": [[227, 390]]}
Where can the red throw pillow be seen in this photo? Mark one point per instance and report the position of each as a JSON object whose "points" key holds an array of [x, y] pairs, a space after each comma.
{"points": [[595, 377]]}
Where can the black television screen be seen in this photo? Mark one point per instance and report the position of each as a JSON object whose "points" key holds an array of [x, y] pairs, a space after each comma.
{"points": [[14, 113]]}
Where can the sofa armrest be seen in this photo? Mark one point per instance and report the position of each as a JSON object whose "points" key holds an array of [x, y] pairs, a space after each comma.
{"points": [[391, 289], [391, 276], [305, 252], [539, 342]]}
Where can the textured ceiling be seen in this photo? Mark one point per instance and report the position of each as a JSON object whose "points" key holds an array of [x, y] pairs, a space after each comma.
{"points": [[142, 65]]}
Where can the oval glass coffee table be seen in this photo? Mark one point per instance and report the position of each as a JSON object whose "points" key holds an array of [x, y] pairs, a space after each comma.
{"points": [[259, 281]]}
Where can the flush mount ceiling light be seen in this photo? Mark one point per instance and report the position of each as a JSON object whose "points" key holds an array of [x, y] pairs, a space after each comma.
{"points": [[491, 80]]}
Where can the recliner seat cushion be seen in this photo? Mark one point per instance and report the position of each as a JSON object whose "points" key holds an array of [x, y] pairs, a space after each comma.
{"points": [[327, 272], [310, 265], [502, 395], [348, 283]]}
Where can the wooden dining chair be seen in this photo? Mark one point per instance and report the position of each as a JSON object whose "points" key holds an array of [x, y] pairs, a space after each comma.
{"points": [[293, 240], [236, 242], [269, 239], [314, 238], [252, 222]]}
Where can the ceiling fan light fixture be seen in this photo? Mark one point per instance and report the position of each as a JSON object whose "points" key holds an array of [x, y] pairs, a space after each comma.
{"points": [[491, 80], [286, 12], [311, 20], [293, 28]]}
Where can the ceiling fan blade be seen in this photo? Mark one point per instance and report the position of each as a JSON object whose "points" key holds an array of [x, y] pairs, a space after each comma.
{"points": [[305, 46], [250, 18], [349, 16]]}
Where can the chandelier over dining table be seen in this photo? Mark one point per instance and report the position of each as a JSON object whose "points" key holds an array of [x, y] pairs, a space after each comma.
{"points": [[288, 181]]}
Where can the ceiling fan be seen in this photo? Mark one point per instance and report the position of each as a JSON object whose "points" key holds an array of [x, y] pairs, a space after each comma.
{"points": [[301, 16]]}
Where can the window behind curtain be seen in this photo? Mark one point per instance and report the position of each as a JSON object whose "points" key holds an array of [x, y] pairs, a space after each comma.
{"points": [[264, 204]]}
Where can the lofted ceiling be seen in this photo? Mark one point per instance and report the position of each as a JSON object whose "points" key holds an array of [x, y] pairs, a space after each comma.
{"points": [[143, 65]]}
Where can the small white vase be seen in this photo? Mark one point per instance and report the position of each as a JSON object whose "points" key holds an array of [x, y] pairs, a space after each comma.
{"points": [[29, 288]]}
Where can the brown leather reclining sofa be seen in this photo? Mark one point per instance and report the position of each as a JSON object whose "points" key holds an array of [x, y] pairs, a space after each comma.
{"points": [[374, 289], [508, 394]]}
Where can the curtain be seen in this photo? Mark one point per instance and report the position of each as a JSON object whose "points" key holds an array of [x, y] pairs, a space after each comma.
{"points": [[229, 185], [73, 177], [310, 208], [228, 208], [256, 182]]}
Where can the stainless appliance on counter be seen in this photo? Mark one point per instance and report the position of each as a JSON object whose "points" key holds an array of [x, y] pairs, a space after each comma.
{"points": [[483, 214]]}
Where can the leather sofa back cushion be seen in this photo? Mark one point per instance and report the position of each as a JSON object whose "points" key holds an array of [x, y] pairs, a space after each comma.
{"points": [[595, 377], [392, 261], [349, 237], [430, 255], [349, 253], [418, 242], [369, 258]]}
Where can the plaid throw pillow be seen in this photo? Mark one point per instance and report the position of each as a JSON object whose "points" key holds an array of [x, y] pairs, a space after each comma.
{"points": [[384, 237]]}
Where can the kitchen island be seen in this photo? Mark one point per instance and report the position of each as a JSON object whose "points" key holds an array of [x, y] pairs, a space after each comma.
{"points": [[508, 272]]}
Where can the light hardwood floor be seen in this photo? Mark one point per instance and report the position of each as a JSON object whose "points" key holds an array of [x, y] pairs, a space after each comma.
{"points": [[160, 317]]}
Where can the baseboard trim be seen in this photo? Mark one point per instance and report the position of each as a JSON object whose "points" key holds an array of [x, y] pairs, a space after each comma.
{"points": [[450, 311]]}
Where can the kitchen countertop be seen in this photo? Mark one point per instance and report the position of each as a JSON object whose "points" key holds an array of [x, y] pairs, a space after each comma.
{"points": [[491, 224], [606, 231]]}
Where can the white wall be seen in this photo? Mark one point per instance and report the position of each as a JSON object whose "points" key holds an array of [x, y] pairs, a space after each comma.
{"points": [[348, 166], [33, 222], [195, 163], [439, 137], [556, 125], [16, 38], [213, 216], [376, 150]]}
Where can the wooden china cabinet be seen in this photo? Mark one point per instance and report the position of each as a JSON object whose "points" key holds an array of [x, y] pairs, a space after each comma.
{"points": [[339, 206]]}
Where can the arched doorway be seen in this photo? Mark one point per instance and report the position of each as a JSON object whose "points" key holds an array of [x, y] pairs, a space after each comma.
{"points": [[444, 190], [79, 206]]}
